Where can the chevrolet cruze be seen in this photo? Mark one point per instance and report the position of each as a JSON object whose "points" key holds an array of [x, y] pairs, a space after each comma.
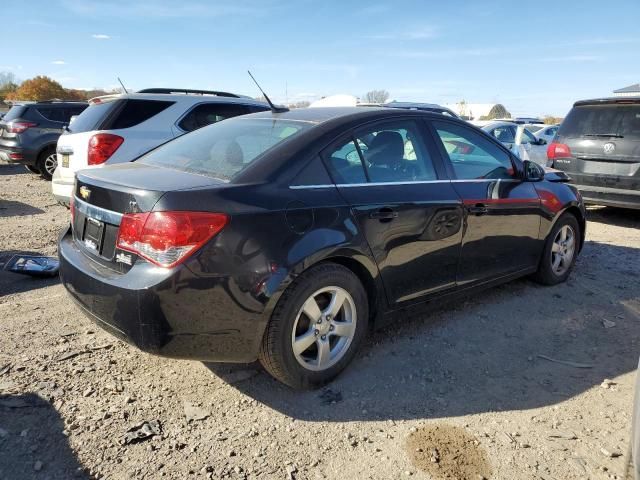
{"points": [[285, 236]]}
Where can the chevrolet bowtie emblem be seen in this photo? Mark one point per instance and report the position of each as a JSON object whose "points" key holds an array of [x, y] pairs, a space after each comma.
{"points": [[85, 192]]}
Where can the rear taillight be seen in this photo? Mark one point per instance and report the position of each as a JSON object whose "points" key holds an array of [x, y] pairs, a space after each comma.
{"points": [[168, 238], [16, 156], [558, 150], [102, 146], [19, 127]]}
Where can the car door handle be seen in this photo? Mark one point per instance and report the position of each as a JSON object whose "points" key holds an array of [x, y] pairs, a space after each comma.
{"points": [[384, 214], [478, 209]]}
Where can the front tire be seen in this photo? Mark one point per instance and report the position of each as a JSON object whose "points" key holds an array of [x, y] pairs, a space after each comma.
{"points": [[316, 328], [47, 163], [560, 251]]}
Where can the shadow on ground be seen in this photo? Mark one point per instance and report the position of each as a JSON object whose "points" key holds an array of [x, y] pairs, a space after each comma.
{"points": [[483, 354], [11, 208], [14, 169], [620, 217], [32, 444]]}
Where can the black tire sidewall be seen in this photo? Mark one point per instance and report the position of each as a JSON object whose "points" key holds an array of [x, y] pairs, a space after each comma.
{"points": [[545, 273], [285, 315], [40, 163]]}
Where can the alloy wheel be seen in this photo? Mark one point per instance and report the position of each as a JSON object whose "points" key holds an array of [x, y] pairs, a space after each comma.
{"points": [[324, 328], [563, 250], [50, 163]]}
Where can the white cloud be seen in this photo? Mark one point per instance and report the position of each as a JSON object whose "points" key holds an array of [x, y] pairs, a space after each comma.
{"points": [[58, 62], [100, 36], [422, 33], [573, 58]]}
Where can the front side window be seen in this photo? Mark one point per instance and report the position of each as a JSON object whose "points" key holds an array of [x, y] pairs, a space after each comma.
{"points": [[208, 113], [392, 152], [472, 155], [527, 137]]}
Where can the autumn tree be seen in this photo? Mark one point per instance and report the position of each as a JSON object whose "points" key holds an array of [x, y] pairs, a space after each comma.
{"points": [[376, 96], [37, 89]]}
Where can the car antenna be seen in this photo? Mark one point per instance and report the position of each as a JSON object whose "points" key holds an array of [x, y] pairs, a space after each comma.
{"points": [[274, 109], [123, 87]]}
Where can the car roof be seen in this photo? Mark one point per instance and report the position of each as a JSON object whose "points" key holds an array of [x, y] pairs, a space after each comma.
{"points": [[607, 101], [321, 115], [185, 98]]}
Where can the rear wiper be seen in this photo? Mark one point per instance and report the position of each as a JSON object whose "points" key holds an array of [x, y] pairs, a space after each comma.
{"points": [[615, 135]]}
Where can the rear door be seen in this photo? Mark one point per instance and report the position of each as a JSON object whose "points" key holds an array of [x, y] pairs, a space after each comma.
{"points": [[604, 141], [404, 203], [502, 212]]}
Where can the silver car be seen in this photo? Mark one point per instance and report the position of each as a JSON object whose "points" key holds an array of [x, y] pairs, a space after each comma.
{"points": [[506, 133]]}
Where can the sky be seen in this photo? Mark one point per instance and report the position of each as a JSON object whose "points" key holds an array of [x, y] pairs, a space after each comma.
{"points": [[534, 57]]}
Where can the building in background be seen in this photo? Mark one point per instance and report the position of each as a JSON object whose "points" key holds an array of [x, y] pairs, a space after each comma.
{"points": [[630, 91]]}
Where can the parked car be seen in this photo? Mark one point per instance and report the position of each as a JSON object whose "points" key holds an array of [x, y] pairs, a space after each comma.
{"points": [[506, 133], [29, 132], [120, 128], [548, 132], [598, 146], [285, 236]]}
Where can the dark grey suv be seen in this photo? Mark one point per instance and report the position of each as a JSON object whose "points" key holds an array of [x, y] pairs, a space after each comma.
{"points": [[29, 133], [598, 145]]}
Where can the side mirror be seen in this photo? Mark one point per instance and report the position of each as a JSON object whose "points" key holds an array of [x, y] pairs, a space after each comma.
{"points": [[532, 171], [542, 141]]}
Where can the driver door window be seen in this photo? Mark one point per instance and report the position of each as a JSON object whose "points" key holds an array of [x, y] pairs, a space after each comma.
{"points": [[473, 156]]}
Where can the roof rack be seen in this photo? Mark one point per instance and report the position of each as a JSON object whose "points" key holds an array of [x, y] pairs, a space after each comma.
{"points": [[188, 91], [57, 100]]}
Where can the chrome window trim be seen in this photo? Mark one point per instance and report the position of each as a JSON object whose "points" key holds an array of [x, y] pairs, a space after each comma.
{"points": [[417, 182], [98, 213]]}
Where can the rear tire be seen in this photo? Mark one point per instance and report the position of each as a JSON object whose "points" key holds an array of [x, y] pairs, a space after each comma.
{"points": [[316, 328], [47, 163], [560, 251], [33, 169]]}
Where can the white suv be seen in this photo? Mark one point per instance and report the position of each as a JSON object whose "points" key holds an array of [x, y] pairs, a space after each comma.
{"points": [[119, 128]]}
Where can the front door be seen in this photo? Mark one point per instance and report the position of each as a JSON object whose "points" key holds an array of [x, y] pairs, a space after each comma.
{"points": [[408, 210], [502, 212]]}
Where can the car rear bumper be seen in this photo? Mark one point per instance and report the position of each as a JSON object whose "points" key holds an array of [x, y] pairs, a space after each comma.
{"points": [[609, 196], [62, 187], [10, 154], [167, 312]]}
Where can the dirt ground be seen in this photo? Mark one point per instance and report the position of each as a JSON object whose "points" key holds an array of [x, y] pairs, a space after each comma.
{"points": [[476, 381]]}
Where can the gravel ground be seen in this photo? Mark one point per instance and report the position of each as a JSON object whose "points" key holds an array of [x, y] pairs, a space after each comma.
{"points": [[470, 390]]}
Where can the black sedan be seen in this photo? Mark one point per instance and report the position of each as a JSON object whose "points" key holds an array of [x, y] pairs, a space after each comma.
{"points": [[285, 236]]}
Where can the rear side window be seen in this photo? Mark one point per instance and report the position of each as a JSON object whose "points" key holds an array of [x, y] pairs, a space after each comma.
{"points": [[135, 112], [93, 117], [208, 113], [224, 149], [14, 112], [52, 114], [602, 120]]}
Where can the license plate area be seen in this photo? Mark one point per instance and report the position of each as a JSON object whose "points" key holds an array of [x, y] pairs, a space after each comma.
{"points": [[65, 160], [93, 234]]}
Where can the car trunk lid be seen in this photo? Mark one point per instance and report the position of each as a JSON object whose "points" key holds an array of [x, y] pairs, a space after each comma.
{"points": [[604, 140], [103, 196]]}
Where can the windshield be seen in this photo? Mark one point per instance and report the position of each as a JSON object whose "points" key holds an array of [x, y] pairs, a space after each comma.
{"points": [[603, 120], [224, 149]]}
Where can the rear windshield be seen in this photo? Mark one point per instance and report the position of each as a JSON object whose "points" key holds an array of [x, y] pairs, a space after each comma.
{"points": [[16, 111], [92, 117], [602, 120], [224, 149]]}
